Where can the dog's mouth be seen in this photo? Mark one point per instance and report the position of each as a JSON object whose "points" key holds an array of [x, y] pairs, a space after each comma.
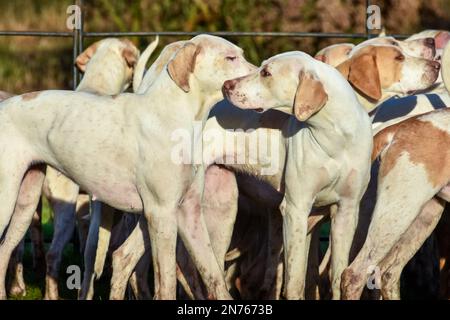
{"points": [[259, 110]]}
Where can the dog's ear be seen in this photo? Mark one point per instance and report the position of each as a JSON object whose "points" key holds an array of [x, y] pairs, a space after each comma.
{"points": [[183, 64], [130, 53], [321, 57], [84, 57], [362, 72], [310, 96]]}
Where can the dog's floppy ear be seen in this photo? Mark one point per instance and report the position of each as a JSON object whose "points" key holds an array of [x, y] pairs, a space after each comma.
{"points": [[84, 57], [310, 96], [362, 72], [321, 57], [183, 64], [130, 53]]}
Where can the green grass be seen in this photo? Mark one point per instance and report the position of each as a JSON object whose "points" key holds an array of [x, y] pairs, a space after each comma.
{"points": [[35, 282]]}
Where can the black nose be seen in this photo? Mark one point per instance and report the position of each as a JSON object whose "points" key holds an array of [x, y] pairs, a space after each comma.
{"points": [[429, 42], [229, 85]]}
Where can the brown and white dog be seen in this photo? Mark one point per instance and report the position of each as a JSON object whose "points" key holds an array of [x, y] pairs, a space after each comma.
{"points": [[413, 184]]}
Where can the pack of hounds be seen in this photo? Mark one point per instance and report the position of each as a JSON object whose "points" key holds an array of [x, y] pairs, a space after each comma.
{"points": [[360, 135]]}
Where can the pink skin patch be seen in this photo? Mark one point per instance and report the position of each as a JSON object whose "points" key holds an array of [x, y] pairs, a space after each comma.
{"points": [[441, 39]]}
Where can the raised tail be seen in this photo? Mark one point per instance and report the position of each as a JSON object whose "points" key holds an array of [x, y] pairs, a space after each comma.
{"points": [[140, 66], [445, 67]]}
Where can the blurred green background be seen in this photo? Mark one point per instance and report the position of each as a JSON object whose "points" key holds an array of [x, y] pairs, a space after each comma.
{"points": [[28, 63]]}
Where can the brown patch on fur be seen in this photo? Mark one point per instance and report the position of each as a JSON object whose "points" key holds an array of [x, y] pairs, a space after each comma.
{"points": [[130, 53], [334, 55], [382, 139], [310, 97], [389, 67], [30, 95], [425, 144], [373, 68], [183, 64], [84, 57]]}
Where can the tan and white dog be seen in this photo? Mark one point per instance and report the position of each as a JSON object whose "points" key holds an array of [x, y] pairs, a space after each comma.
{"points": [[335, 54], [378, 72], [125, 159], [413, 184]]}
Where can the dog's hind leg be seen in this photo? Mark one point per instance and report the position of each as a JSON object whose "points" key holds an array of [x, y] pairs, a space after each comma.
{"points": [[220, 208], [410, 242], [398, 204], [37, 240], [194, 233], [90, 251], [27, 201], [139, 278]]}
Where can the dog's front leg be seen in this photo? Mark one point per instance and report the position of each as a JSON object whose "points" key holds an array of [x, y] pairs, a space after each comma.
{"points": [[195, 236], [295, 227], [343, 228], [162, 227], [62, 194]]}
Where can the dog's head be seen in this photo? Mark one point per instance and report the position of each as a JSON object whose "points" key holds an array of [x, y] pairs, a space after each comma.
{"points": [[209, 61], [335, 54], [374, 69], [111, 50], [440, 37], [419, 48], [287, 82]]}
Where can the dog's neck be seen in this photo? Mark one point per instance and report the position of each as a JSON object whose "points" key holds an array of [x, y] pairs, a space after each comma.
{"points": [[191, 106], [105, 75], [340, 120], [370, 104]]}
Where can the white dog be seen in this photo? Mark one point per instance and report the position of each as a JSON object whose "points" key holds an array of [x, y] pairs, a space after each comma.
{"points": [[328, 157], [119, 149]]}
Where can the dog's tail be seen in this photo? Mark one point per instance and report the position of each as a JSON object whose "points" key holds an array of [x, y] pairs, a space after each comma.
{"points": [[383, 139], [445, 67], [140, 66]]}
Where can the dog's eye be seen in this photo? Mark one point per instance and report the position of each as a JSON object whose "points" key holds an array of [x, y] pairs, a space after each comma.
{"points": [[265, 73], [394, 43], [231, 58], [400, 58]]}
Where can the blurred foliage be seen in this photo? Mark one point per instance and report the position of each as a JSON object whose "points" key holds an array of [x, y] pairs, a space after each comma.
{"points": [[28, 63]]}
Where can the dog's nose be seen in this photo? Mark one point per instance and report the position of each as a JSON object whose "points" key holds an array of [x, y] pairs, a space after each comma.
{"points": [[229, 85], [429, 42]]}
